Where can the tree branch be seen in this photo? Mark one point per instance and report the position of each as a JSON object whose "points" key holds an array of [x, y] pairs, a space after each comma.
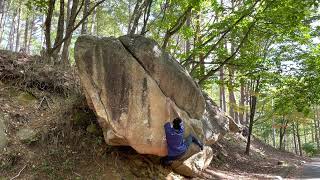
{"points": [[175, 28], [224, 34], [146, 17], [77, 25], [212, 71]]}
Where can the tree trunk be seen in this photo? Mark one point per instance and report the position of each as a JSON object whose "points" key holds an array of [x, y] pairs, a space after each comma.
{"points": [[30, 35], [253, 104], [12, 32], [18, 31], [84, 28], [42, 39], [47, 24], [283, 129], [294, 139], [285, 141], [232, 99], [222, 91], [248, 102], [318, 123], [198, 40], [304, 134], [273, 129], [146, 16], [26, 30], [3, 19], [70, 25], [134, 19], [316, 138], [60, 29], [188, 44], [312, 134], [241, 102], [1, 6], [93, 22], [299, 141]]}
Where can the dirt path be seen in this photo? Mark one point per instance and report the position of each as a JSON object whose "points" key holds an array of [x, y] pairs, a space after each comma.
{"points": [[311, 169]]}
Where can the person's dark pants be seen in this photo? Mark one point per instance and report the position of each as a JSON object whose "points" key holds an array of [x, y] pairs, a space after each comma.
{"points": [[191, 139], [167, 160]]}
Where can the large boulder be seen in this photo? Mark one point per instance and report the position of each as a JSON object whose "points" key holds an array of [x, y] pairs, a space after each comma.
{"points": [[127, 81]]}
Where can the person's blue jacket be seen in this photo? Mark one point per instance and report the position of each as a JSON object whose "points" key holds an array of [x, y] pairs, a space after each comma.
{"points": [[175, 141]]}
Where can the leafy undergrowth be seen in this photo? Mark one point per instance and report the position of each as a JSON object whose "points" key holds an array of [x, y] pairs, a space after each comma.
{"points": [[50, 133]]}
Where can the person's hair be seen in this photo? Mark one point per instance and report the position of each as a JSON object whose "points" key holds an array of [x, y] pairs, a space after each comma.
{"points": [[176, 123]]}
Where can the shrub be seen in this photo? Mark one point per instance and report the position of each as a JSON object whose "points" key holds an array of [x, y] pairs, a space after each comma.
{"points": [[310, 148]]}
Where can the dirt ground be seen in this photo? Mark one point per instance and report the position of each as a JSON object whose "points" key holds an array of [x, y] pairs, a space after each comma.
{"points": [[51, 134]]}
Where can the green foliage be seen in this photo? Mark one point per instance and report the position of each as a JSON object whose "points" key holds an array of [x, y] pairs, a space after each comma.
{"points": [[38, 5], [310, 148]]}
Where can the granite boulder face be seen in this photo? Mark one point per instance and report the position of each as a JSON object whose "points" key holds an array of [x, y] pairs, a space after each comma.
{"points": [[128, 81]]}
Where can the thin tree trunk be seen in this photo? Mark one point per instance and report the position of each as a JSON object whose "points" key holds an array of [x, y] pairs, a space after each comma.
{"points": [[318, 123], [3, 19], [30, 34], [241, 102], [47, 24], [253, 104], [12, 32], [294, 139], [1, 6], [84, 28], [26, 30], [129, 15], [273, 134], [146, 16], [222, 91], [248, 103], [134, 13], [198, 40], [93, 22], [273, 129], [18, 31], [304, 134], [232, 99], [280, 138], [299, 141], [60, 29], [70, 25], [43, 18], [285, 146], [188, 44], [316, 128], [312, 135], [282, 133]]}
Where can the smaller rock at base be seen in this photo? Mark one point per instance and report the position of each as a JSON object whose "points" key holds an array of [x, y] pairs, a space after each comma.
{"points": [[195, 164], [3, 135], [27, 135]]}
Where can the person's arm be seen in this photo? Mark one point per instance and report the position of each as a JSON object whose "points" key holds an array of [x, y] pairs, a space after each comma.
{"points": [[167, 127], [168, 109], [182, 126]]}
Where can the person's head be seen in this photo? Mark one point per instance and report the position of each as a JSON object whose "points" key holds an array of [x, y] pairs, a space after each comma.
{"points": [[177, 123]]}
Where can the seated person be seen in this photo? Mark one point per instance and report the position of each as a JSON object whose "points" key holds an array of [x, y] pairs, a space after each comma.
{"points": [[176, 144]]}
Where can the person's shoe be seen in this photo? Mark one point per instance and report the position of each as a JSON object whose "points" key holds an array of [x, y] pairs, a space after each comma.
{"points": [[201, 147]]}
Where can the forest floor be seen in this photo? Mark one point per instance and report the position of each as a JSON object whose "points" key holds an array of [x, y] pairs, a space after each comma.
{"points": [[48, 132]]}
